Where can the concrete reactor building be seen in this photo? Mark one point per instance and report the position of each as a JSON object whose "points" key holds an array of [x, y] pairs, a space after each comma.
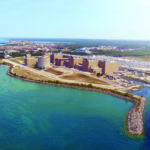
{"points": [[30, 61], [108, 66], [43, 62], [84, 64]]}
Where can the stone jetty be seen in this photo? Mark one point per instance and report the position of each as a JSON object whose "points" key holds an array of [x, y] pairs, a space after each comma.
{"points": [[135, 122]]}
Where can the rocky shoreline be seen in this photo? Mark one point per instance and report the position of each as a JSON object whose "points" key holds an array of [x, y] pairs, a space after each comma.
{"points": [[135, 121]]}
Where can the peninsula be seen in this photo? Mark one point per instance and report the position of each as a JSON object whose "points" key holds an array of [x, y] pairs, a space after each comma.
{"points": [[84, 81]]}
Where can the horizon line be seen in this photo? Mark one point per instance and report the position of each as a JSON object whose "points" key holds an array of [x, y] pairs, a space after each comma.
{"points": [[74, 38]]}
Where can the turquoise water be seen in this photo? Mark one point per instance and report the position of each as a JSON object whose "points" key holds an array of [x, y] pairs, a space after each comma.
{"points": [[41, 117]]}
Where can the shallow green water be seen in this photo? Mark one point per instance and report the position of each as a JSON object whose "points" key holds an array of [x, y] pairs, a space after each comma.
{"points": [[41, 117]]}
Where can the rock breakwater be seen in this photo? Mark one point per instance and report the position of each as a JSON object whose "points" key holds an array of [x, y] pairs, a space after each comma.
{"points": [[135, 119]]}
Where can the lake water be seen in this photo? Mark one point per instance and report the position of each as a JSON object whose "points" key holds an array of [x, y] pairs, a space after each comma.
{"points": [[37, 41], [41, 117]]}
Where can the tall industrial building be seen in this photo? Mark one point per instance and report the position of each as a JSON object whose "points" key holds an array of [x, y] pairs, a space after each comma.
{"points": [[108, 66], [30, 61]]}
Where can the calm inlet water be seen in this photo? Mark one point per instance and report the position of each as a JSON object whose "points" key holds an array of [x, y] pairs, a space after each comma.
{"points": [[41, 117]]}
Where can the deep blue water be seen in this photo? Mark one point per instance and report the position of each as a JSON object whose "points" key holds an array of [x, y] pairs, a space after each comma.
{"points": [[41, 117]]}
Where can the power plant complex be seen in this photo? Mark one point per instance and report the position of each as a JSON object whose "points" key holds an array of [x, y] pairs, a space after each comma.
{"points": [[79, 63]]}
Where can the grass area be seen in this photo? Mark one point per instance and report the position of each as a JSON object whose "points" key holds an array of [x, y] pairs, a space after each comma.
{"points": [[83, 78], [53, 71], [145, 58], [18, 60], [18, 71], [118, 53]]}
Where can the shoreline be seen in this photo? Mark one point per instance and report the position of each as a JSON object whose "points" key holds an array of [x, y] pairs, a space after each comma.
{"points": [[136, 79], [134, 122]]}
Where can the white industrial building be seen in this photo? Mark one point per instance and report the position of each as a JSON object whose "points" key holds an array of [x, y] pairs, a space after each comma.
{"points": [[43, 62]]}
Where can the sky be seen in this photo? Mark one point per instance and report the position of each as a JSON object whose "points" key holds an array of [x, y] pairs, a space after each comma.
{"points": [[89, 19]]}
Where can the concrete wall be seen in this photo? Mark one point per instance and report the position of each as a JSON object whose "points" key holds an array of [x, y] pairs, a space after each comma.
{"points": [[111, 67], [53, 57], [108, 67]]}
